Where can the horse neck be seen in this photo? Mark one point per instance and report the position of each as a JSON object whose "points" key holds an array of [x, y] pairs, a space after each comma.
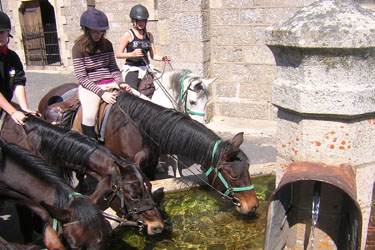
{"points": [[30, 184]]}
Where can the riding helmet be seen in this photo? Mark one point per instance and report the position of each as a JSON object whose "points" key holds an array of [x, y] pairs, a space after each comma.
{"points": [[139, 12], [94, 19], [4, 22]]}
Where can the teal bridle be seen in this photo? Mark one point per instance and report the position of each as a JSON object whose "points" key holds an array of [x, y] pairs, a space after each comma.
{"points": [[183, 99], [229, 190]]}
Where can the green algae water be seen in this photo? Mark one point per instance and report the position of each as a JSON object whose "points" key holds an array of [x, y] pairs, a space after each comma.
{"points": [[201, 219]]}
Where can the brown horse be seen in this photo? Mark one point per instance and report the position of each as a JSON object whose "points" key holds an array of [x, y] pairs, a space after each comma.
{"points": [[165, 131], [123, 185], [24, 177]]}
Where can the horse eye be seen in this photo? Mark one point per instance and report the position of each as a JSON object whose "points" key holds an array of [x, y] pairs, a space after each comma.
{"points": [[193, 103], [198, 87]]}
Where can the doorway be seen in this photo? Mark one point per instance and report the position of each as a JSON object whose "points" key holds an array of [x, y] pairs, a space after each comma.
{"points": [[39, 33]]}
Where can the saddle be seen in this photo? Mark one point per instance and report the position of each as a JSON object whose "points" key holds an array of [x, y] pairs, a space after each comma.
{"points": [[67, 114]]}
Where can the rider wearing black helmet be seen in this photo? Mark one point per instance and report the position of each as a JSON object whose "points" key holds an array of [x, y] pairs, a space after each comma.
{"points": [[12, 75], [134, 47], [95, 68]]}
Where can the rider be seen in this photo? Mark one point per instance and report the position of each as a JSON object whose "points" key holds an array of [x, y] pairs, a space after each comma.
{"points": [[137, 42], [95, 68], [12, 75]]}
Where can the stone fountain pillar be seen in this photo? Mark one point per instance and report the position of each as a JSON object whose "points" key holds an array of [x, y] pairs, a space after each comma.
{"points": [[325, 92]]}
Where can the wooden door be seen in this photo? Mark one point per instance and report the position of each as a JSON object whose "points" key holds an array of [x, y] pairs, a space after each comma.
{"points": [[32, 33]]}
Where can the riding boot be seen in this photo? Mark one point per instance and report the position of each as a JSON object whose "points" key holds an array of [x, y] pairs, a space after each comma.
{"points": [[89, 131]]}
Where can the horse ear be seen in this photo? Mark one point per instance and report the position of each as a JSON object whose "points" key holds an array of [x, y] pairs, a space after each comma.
{"points": [[61, 214], [51, 239], [237, 139], [208, 82], [231, 155]]}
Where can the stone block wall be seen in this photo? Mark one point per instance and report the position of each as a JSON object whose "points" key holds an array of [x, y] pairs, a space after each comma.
{"points": [[222, 39]]}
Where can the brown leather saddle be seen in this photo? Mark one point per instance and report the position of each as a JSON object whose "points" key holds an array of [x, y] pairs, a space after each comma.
{"points": [[68, 114]]}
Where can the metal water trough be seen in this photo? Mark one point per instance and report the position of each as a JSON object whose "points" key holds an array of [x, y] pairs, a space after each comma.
{"points": [[314, 207]]}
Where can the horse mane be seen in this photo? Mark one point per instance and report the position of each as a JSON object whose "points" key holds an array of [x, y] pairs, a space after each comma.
{"points": [[171, 131], [87, 213], [176, 76], [59, 146], [63, 147], [37, 167]]}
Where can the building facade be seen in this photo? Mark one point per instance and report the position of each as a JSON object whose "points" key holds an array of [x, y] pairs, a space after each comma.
{"points": [[222, 39]]}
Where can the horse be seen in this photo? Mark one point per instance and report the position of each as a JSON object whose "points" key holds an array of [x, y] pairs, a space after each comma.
{"points": [[184, 91], [126, 189], [25, 177], [166, 131], [141, 131]]}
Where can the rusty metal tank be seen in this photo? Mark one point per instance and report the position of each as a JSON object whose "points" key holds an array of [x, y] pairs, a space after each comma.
{"points": [[314, 207]]}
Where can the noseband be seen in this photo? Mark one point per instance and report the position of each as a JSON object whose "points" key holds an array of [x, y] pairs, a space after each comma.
{"points": [[229, 190], [118, 191], [183, 98]]}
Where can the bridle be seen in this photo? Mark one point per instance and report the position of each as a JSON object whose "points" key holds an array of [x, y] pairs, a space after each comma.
{"points": [[230, 191], [118, 191], [183, 98]]}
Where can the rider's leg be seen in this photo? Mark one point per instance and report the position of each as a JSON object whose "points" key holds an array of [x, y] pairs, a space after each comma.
{"points": [[132, 79], [90, 106]]}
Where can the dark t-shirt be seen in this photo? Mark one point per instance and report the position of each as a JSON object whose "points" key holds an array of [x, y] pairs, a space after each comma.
{"points": [[11, 73], [144, 44]]}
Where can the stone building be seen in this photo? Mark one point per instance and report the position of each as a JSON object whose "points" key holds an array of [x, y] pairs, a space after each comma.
{"points": [[223, 39]]}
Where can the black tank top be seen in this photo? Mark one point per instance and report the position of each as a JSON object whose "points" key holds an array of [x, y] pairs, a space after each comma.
{"points": [[144, 44]]}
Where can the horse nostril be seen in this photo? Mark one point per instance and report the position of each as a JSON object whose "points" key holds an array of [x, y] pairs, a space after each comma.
{"points": [[157, 230], [253, 209]]}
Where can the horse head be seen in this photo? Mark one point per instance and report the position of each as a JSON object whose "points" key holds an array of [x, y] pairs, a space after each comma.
{"points": [[83, 225], [184, 91], [194, 96], [134, 200], [231, 176]]}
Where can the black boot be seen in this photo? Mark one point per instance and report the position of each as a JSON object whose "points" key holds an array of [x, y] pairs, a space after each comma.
{"points": [[89, 131]]}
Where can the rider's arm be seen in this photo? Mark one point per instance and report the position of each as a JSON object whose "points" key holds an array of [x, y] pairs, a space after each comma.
{"points": [[16, 115], [121, 50], [20, 94], [81, 73], [152, 51], [112, 66]]}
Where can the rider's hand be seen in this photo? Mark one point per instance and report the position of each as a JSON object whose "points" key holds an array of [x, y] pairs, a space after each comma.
{"points": [[18, 117], [166, 59], [137, 53], [109, 97], [125, 87]]}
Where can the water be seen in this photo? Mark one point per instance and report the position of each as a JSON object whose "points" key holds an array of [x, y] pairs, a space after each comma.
{"points": [[201, 219]]}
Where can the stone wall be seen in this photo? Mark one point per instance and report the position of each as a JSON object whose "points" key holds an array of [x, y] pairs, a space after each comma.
{"points": [[223, 39]]}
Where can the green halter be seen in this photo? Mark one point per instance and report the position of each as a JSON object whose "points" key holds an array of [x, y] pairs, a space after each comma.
{"points": [[225, 183], [183, 97]]}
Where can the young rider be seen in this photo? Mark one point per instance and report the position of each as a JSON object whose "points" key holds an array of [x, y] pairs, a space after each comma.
{"points": [[134, 47], [95, 68], [12, 75]]}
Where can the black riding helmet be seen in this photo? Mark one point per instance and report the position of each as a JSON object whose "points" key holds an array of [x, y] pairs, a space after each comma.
{"points": [[94, 19], [5, 22], [139, 12]]}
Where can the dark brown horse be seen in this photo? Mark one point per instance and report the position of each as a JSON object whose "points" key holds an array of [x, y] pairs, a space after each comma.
{"points": [[123, 185], [141, 131], [24, 177]]}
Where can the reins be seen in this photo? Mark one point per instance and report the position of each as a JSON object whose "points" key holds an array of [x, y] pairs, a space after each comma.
{"points": [[229, 193]]}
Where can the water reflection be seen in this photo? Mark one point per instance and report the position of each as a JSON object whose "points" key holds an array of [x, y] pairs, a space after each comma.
{"points": [[201, 219]]}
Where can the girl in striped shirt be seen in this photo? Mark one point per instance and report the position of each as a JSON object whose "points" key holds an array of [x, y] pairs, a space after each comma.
{"points": [[95, 68]]}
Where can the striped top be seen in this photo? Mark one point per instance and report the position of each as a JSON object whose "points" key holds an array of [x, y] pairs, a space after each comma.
{"points": [[91, 69]]}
